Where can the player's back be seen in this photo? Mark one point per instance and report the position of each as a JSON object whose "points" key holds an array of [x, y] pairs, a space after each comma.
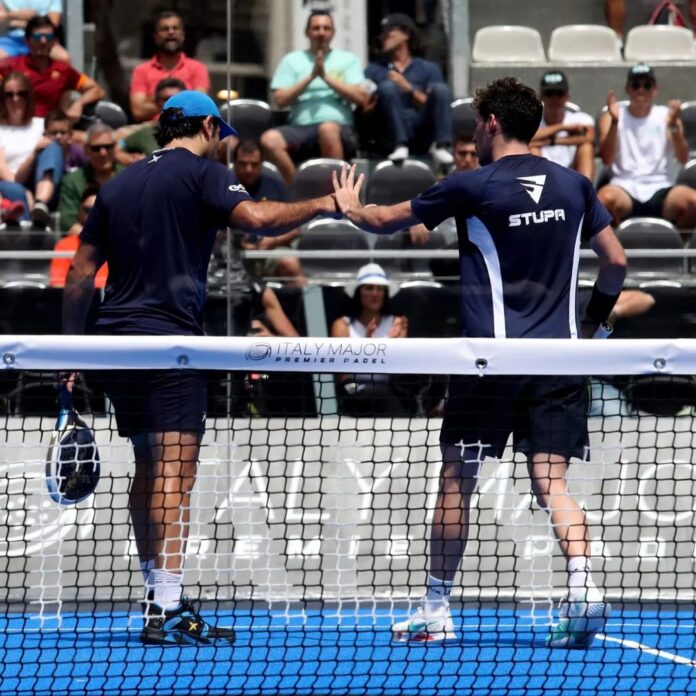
{"points": [[520, 221], [157, 223]]}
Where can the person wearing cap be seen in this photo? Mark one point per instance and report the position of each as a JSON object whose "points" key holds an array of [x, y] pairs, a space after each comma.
{"points": [[565, 137], [320, 85], [155, 224], [169, 61], [412, 93], [369, 317], [642, 143]]}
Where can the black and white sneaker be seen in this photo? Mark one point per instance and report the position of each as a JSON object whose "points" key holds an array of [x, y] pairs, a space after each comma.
{"points": [[180, 626]]}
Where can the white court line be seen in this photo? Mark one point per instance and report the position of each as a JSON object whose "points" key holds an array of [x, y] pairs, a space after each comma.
{"points": [[647, 649]]}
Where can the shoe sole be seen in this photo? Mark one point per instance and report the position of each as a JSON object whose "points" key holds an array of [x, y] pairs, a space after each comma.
{"points": [[153, 636], [582, 630], [422, 636]]}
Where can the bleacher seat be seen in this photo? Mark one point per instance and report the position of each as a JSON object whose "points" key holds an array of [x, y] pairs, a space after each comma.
{"points": [[34, 270], [110, 113], [335, 235], [688, 117], [651, 233], [579, 43], [250, 117], [687, 174], [400, 241], [463, 117], [313, 178], [691, 244], [654, 42], [392, 183], [508, 44]]}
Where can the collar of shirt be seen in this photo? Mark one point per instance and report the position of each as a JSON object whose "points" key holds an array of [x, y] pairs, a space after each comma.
{"points": [[157, 63]]}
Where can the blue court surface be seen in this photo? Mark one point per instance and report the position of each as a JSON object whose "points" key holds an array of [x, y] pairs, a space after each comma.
{"points": [[645, 650]]}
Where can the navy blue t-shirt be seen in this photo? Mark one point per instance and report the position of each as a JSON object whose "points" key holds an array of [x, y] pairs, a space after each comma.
{"points": [[268, 188], [156, 224], [419, 72], [520, 221]]}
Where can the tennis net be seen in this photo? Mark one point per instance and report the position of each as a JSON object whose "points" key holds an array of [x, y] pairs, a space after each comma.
{"points": [[309, 527]]}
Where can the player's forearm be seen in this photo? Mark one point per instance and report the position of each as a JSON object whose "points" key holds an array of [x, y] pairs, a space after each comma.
{"points": [[382, 219], [272, 218], [611, 276], [77, 298]]}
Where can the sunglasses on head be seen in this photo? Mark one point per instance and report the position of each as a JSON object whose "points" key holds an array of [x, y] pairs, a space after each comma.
{"points": [[99, 148], [641, 84], [38, 35], [18, 93]]}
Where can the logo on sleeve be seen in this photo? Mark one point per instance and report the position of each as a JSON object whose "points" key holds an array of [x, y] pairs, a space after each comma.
{"points": [[237, 188], [533, 185]]}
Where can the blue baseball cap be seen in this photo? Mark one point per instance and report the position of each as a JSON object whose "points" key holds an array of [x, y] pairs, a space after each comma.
{"points": [[194, 103]]}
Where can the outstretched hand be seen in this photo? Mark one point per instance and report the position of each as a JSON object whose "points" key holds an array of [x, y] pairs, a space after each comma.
{"points": [[347, 189]]}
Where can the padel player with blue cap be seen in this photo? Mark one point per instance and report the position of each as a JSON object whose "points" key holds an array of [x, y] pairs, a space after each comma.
{"points": [[155, 225], [520, 220]]}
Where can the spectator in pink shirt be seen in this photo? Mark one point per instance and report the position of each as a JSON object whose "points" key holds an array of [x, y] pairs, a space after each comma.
{"points": [[169, 61]]}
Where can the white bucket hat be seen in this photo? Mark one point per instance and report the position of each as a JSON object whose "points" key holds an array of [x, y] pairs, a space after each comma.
{"points": [[371, 274]]}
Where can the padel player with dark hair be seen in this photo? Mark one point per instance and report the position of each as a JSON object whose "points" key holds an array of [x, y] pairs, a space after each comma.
{"points": [[155, 224], [520, 220]]}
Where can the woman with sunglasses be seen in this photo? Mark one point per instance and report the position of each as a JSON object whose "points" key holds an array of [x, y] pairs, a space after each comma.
{"points": [[31, 165]]}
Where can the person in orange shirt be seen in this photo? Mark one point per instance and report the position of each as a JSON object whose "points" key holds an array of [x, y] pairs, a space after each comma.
{"points": [[59, 266]]}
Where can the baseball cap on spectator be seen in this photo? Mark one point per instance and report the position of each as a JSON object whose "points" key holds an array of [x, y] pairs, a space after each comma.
{"points": [[641, 71], [398, 20], [193, 103], [554, 81]]}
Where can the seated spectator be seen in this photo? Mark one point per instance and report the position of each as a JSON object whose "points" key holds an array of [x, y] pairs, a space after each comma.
{"points": [[60, 265], [141, 141], [14, 15], [247, 166], [319, 85], [565, 137], [53, 80], [640, 141], [57, 128], [412, 94], [368, 317], [169, 61], [102, 166], [31, 165]]}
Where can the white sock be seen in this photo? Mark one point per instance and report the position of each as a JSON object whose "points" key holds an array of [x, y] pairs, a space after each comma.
{"points": [[167, 588], [581, 586], [145, 568], [438, 593]]}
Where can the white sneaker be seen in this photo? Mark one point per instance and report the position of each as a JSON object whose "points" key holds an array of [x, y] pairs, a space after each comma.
{"points": [[400, 153], [424, 626], [443, 156], [578, 623]]}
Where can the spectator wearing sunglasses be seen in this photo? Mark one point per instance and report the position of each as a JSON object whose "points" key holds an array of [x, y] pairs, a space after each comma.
{"points": [[14, 15], [642, 142], [100, 149], [58, 270], [565, 137], [53, 80], [31, 164]]}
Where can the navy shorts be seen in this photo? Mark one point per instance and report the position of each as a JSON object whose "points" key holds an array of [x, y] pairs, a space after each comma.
{"points": [[303, 141], [157, 401], [652, 207], [545, 414]]}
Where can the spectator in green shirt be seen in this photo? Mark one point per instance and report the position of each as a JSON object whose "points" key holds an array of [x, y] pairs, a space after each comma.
{"points": [[100, 150], [140, 142]]}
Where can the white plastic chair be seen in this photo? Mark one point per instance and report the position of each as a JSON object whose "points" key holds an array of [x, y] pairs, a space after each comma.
{"points": [[508, 44], [652, 42], [578, 43]]}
